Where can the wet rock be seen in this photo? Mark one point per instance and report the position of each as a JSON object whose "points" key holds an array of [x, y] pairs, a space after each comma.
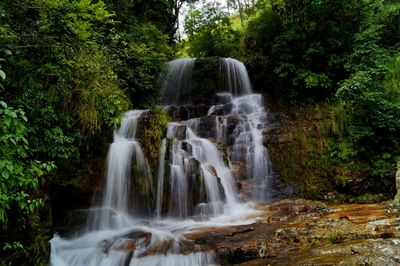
{"points": [[295, 232], [178, 131], [206, 127], [161, 246], [185, 112], [386, 235], [228, 256], [224, 98], [221, 109], [287, 234], [186, 146], [239, 169], [217, 110], [129, 241]]}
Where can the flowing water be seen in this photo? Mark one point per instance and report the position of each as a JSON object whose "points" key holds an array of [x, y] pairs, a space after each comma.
{"points": [[233, 77], [177, 80], [195, 184]]}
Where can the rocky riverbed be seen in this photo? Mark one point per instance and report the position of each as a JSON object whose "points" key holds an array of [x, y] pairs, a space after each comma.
{"points": [[302, 232]]}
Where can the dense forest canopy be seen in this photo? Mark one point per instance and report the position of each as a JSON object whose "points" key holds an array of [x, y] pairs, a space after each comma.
{"points": [[69, 68], [344, 53]]}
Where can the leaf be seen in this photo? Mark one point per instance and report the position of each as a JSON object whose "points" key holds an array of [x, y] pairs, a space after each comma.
{"points": [[5, 174], [7, 121], [10, 167], [3, 103], [2, 74]]}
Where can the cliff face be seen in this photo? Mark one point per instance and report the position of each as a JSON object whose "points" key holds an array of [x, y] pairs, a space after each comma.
{"points": [[295, 144], [311, 158]]}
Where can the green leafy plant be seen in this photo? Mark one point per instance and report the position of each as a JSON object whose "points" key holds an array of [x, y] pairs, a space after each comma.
{"points": [[20, 177]]}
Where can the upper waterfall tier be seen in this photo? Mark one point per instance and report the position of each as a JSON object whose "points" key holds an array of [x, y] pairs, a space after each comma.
{"points": [[191, 80], [233, 77], [177, 80]]}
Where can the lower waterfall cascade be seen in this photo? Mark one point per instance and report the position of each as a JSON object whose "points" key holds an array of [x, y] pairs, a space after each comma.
{"points": [[196, 185]]}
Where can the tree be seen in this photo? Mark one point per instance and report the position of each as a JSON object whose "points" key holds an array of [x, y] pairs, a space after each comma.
{"points": [[210, 32], [176, 7]]}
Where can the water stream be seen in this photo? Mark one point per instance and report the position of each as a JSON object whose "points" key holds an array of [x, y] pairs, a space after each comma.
{"points": [[195, 186]]}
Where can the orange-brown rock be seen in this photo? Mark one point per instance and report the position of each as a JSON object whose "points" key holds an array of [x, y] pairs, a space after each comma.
{"points": [[302, 232]]}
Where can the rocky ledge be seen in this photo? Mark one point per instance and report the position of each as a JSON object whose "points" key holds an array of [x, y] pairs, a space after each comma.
{"points": [[302, 232]]}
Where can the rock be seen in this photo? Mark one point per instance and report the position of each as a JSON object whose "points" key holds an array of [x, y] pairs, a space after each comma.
{"points": [[293, 232], [385, 235], [354, 185], [224, 98], [177, 131], [186, 146], [206, 128], [228, 256], [185, 112], [129, 241]]}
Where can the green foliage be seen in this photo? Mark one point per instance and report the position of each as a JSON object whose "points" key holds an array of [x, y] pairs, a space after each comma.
{"points": [[99, 99], [371, 96], [21, 178], [140, 54], [72, 68], [211, 32], [2, 75], [306, 43], [342, 52], [335, 237]]}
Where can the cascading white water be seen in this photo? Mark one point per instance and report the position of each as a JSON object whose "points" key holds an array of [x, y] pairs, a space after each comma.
{"points": [[177, 80], [214, 174], [160, 184], [233, 77], [193, 180], [114, 235], [248, 144], [125, 150], [206, 153]]}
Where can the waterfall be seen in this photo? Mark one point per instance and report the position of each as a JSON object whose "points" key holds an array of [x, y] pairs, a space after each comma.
{"points": [[177, 81], [233, 77], [247, 147], [238, 100], [115, 235], [195, 187], [160, 184], [209, 157], [249, 144], [124, 153]]}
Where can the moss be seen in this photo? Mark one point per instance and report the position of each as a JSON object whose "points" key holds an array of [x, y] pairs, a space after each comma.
{"points": [[312, 152], [314, 242], [335, 238], [153, 134], [300, 159]]}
